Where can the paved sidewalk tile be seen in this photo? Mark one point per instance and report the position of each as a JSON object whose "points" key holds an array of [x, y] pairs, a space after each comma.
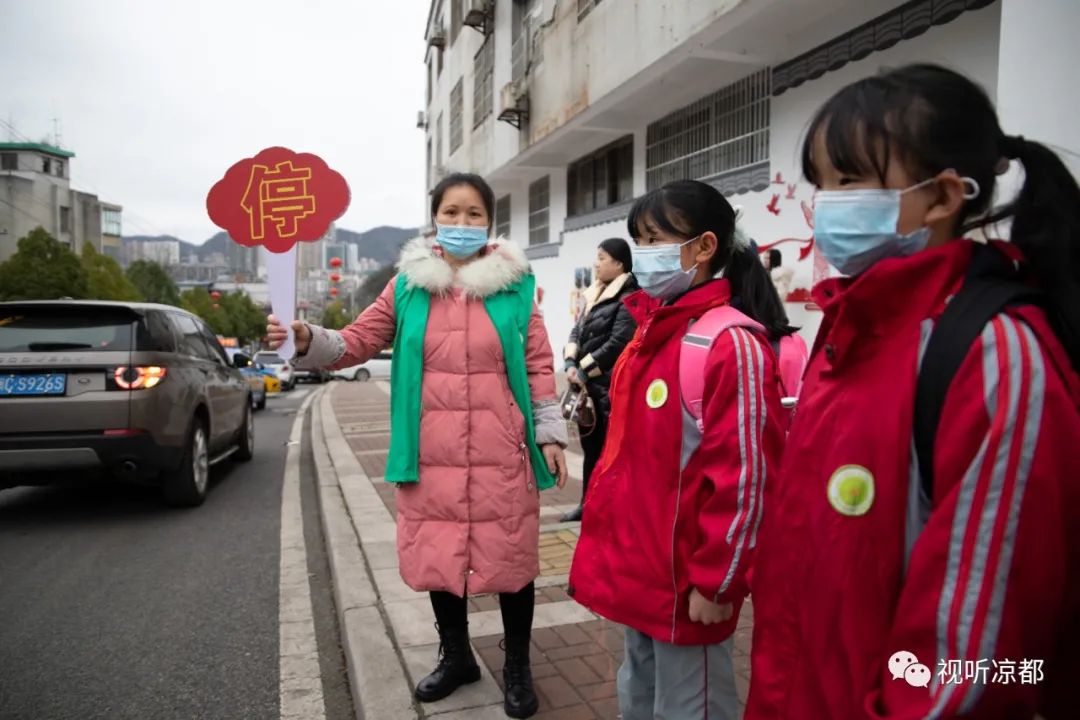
{"points": [[574, 663]]}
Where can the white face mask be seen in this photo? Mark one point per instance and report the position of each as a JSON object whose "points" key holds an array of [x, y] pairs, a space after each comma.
{"points": [[659, 270]]}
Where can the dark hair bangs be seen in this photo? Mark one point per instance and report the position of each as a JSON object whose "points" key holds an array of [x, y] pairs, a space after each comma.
{"points": [[654, 206], [854, 125]]}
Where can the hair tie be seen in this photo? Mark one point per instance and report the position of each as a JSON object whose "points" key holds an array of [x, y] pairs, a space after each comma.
{"points": [[1011, 146]]}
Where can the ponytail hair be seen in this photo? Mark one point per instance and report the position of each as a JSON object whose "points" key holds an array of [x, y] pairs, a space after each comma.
{"points": [[931, 119], [688, 208], [1046, 227]]}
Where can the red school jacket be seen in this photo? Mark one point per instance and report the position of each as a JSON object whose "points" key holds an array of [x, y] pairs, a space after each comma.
{"points": [[670, 507], [854, 566]]}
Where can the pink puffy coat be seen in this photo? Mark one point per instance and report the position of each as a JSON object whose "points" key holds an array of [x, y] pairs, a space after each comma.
{"points": [[471, 523]]}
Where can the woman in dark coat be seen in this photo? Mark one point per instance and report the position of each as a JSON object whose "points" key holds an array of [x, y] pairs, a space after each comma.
{"points": [[603, 330]]}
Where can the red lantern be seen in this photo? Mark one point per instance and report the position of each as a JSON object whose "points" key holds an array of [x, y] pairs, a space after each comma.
{"points": [[335, 262], [334, 277], [216, 295], [333, 292]]}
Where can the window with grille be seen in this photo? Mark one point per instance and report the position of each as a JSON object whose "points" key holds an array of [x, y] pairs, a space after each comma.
{"points": [[429, 81], [9, 161], [484, 80], [65, 220], [584, 6], [723, 132], [438, 140], [457, 102], [539, 200], [602, 179], [502, 216], [456, 17]]}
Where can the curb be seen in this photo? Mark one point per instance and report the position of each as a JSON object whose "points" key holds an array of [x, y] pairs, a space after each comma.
{"points": [[379, 683]]}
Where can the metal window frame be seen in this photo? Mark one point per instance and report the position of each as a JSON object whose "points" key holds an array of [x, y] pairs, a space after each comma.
{"points": [[723, 132], [607, 156], [457, 112], [503, 207], [540, 210], [484, 81]]}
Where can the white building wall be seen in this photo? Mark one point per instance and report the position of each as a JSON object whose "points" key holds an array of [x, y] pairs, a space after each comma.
{"points": [[969, 44]]}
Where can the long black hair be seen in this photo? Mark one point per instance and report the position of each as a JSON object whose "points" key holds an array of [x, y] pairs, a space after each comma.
{"points": [[688, 208], [475, 182], [932, 119]]}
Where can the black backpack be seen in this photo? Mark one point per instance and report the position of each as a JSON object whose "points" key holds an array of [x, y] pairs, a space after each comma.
{"points": [[992, 283]]}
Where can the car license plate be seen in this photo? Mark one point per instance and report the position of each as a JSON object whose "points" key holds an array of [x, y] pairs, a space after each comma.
{"points": [[37, 384]]}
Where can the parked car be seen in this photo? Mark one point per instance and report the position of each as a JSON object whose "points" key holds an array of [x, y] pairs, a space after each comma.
{"points": [[377, 367], [318, 376], [282, 369], [142, 391], [253, 377]]}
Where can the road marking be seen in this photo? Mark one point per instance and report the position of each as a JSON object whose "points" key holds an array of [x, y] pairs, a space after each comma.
{"points": [[300, 681]]}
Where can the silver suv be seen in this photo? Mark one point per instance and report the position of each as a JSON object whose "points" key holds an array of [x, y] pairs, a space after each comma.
{"points": [[142, 391]]}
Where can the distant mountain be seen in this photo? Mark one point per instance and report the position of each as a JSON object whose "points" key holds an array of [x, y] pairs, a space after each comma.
{"points": [[382, 244], [186, 248]]}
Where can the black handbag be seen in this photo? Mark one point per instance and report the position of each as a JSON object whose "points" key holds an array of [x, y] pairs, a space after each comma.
{"points": [[576, 405]]}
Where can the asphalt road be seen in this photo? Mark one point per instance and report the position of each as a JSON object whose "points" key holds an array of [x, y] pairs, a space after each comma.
{"points": [[113, 605]]}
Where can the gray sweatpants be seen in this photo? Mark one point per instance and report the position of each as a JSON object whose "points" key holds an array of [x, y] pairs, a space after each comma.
{"points": [[659, 681]]}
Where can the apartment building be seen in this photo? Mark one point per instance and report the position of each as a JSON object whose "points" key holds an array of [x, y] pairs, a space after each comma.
{"points": [[573, 109]]}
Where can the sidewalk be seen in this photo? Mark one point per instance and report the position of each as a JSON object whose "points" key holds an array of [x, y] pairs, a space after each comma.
{"points": [[575, 654]]}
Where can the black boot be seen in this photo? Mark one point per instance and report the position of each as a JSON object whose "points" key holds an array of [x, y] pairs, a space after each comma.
{"points": [[457, 666], [572, 516], [519, 697]]}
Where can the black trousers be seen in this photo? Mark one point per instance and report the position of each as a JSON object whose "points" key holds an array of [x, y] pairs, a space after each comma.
{"points": [[452, 612], [591, 446]]}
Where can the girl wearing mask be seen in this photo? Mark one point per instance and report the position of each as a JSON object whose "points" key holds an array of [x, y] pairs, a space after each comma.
{"points": [[475, 428], [696, 429], [903, 573]]}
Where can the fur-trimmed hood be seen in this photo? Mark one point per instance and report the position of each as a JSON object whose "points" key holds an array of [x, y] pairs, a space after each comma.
{"points": [[502, 263]]}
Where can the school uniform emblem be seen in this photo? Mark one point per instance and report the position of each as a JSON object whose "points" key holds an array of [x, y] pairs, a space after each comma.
{"points": [[851, 490], [657, 394]]}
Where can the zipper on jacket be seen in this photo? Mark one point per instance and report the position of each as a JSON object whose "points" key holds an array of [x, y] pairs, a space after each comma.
{"points": [[674, 580]]}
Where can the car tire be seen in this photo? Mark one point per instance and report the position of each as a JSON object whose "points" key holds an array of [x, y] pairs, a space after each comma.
{"points": [[186, 486], [362, 375], [261, 405], [245, 445]]}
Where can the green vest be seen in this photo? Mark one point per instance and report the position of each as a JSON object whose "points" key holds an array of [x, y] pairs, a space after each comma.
{"points": [[509, 310]]}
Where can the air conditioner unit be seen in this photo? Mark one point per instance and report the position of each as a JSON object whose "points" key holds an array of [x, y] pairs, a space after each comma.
{"points": [[479, 14], [514, 103], [421, 120], [437, 36]]}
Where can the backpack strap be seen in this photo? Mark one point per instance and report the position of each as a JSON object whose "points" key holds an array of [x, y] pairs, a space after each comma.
{"points": [[694, 352], [992, 284]]}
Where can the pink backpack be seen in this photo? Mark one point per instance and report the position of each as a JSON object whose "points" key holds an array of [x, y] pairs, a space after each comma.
{"points": [[699, 340]]}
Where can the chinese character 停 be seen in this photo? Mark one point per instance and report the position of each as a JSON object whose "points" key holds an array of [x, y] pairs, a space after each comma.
{"points": [[279, 195]]}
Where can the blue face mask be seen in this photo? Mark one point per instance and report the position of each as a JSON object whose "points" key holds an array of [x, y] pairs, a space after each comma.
{"points": [[857, 228], [461, 241], [659, 271]]}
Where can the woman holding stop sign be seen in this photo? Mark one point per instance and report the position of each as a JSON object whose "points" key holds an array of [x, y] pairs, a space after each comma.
{"points": [[475, 429]]}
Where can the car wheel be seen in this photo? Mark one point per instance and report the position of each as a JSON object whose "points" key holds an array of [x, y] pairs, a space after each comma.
{"points": [[362, 375], [186, 486], [261, 405], [245, 448]]}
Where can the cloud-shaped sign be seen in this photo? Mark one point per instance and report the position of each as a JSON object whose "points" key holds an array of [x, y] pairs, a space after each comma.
{"points": [[277, 199]]}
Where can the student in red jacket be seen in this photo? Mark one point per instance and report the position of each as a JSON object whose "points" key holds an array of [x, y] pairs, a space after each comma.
{"points": [[676, 499], [905, 574]]}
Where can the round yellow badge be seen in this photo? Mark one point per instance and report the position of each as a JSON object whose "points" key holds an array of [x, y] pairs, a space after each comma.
{"points": [[851, 490], [657, 394]]}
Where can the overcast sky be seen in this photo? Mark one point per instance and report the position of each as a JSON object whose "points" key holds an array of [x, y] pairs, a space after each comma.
{"points": [[158, 98]]}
